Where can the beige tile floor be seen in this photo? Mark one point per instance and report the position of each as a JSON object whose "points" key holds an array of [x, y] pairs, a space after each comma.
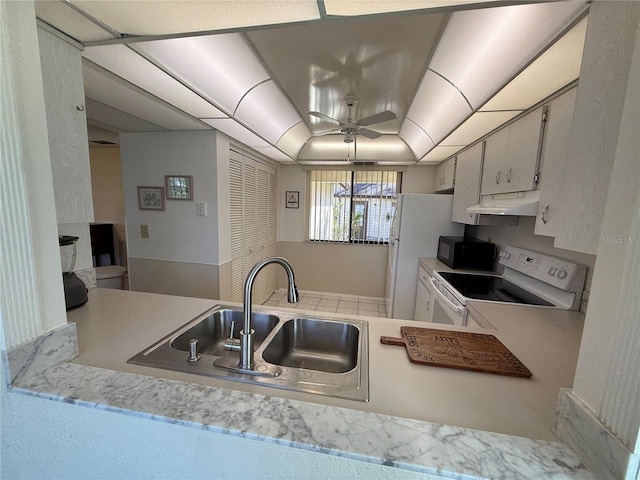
{"points": [[332, 302]]}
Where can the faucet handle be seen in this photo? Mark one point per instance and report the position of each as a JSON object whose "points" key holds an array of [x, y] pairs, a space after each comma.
{"points": [[232, 344], [233, 324]]}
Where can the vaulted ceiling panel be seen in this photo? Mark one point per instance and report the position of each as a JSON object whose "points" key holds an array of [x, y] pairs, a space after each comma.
{"points": [[442, 76]]}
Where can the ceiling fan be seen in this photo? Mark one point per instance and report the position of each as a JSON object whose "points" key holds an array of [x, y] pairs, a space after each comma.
{"points": [[350, 128]]}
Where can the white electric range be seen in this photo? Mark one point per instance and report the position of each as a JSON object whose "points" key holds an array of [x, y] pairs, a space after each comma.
{"points": [[529, 278]]}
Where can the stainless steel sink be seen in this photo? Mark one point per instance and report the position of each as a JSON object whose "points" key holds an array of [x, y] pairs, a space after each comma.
{"points": [[315, 345], [317, 355], [214, 329]]}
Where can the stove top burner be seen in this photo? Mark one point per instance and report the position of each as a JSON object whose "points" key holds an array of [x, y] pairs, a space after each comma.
{"points": [[492, 288]]}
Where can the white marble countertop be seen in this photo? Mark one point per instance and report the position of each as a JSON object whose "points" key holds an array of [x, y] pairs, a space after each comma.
{"points": [[435, 420]]}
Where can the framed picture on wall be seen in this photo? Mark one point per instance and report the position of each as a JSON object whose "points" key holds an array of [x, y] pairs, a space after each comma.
{"points": [[151, 198], [293, 199], [179, 187]]}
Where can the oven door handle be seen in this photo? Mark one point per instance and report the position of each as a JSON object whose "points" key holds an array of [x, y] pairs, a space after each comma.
{"points": [[459, 309]]}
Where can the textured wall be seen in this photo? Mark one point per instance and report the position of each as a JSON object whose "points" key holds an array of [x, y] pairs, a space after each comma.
{"points": [[45, 439]]}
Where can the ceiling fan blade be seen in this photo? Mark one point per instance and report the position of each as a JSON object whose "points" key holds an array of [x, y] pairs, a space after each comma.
{"points": [[324, 117], [365, 132], [377, 118], [327, 132]]}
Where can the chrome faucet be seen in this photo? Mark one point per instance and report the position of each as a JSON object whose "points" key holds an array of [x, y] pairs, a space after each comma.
{"points": [[245, 347], [247, 333]]}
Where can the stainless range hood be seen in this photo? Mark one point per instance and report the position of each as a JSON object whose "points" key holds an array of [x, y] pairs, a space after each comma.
{"points": [[518, 204]]}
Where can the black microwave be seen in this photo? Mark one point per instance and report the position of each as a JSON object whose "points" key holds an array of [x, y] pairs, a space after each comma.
{"points": [[468, 253]]}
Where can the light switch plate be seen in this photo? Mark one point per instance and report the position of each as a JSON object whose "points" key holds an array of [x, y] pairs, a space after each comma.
{"points": [[202, 209], [144, 231]]}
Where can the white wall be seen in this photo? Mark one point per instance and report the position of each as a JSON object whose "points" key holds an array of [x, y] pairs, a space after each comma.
{"points": [[419, 179], [176, 234], [292, 177]]}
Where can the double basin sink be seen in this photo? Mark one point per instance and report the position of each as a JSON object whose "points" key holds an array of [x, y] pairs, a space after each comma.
{"points": [[316, 355]]}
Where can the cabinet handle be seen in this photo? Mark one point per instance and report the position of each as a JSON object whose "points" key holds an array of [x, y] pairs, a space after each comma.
{"points": [[543, 215], [508, 176], [428, 305], [498, 177]]}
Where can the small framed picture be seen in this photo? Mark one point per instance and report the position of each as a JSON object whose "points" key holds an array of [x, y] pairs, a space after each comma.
{"points": [[151, 198], [179, 187], [293, 199]]}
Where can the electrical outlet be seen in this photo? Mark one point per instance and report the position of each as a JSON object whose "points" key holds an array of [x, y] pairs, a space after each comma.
{"points": [[144, 231]]}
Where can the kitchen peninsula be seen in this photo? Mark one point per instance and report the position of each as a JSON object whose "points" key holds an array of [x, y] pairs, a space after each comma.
{"points": [[424, 419]]}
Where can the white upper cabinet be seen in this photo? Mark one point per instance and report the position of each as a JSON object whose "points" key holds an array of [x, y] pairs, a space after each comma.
{"points": [[467, 192], [511, 156], [495, 159], [445, 175], [600, 101], [552, 161], [67, 126]]}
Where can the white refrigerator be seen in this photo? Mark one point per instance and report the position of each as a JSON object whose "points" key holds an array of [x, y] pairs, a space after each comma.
{"points": [[418, 221]]}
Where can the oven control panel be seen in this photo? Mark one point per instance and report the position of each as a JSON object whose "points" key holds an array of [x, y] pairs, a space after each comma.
{"points": [[554, 271]]}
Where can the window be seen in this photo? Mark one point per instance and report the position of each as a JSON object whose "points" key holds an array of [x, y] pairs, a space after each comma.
{"points": [[351, 206]]}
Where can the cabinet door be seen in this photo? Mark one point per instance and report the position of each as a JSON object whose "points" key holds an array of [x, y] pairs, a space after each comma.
{"points": [[467, 191], [552, 161], [67, 126], [424, 304], [495, 154], [523, 151], [445, 175]]}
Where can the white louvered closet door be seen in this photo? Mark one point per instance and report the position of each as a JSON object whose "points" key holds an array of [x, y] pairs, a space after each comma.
{"points": [[272, 278], [235, 199], [249, 212], [262, 232], [253, 224]]}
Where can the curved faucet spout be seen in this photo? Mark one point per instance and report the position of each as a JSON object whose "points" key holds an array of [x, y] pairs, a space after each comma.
{"points": [[246, 335]]}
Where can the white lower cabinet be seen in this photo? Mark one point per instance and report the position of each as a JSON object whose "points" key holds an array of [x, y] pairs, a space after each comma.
{"points": [[424, 298]]}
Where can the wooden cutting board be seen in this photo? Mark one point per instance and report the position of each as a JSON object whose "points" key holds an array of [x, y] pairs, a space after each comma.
{"points": [[463, 350]]}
